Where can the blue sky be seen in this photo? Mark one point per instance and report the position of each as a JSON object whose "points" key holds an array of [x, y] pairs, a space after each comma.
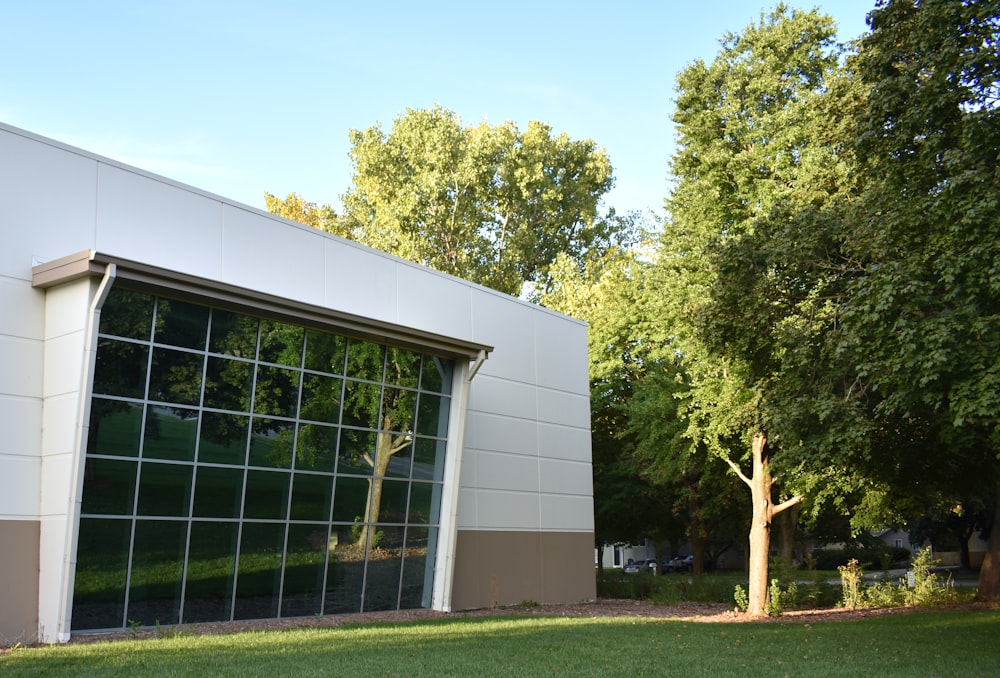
{"points": [[243, 97]]}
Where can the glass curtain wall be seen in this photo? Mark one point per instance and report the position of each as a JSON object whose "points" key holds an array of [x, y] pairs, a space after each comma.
{"points": [[244, 468]]}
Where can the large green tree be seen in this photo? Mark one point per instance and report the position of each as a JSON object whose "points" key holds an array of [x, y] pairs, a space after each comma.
{"points": [[923, 325], [489, 203], [751, 144]]}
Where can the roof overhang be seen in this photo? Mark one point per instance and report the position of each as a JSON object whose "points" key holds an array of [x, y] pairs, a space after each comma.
{"points": [[180, 285]]}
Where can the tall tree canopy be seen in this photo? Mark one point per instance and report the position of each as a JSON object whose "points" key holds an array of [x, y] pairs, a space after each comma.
{"points": [[750, 145], [923, 324], [489, 203]]}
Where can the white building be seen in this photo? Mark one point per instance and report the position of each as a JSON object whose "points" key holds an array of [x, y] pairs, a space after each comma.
{"points": [[206, 407]]}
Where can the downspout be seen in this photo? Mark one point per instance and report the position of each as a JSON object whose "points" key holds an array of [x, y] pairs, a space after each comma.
{"points": [[444, 575], [80, 445]]}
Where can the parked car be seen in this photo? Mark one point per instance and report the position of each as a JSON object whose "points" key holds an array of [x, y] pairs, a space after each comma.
{"points": [[637, 566], [680, 564]]}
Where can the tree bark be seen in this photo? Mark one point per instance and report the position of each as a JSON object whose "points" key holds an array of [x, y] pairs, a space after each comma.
{"points": [[989, 571], [386, 446], [764, 511], [786, 535]]}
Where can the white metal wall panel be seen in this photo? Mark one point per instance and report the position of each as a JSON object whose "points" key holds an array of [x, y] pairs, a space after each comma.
{"points": [[561, 349], [19, 481], [433, 302], [360, 281], [157, 223], [49, 202], [263, 254]]}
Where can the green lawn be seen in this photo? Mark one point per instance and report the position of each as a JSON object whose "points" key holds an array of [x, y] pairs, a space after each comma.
{"points": [[952, 643]]}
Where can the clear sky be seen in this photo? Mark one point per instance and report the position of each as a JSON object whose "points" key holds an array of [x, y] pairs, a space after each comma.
{"points": [[239, 97]]}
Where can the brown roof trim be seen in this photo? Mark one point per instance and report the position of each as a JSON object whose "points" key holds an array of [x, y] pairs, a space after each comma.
{"points": [[173, 283]]}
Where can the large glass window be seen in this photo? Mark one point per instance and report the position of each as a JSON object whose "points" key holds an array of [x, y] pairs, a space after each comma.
{"points": [[242, 468]]}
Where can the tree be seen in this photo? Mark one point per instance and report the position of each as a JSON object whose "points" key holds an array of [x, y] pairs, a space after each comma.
{"points": [[296, 208], [603, 291], [748, 149], [491, 204], [923, 325]]}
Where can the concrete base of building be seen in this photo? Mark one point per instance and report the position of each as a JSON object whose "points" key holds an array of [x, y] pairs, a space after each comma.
{"points": [[19, 581], [494, 568]]}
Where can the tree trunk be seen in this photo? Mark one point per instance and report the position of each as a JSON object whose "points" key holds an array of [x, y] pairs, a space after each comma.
{"points": [[385, 447], [760, 528], [760, 484], [989, 572], [788, 521]]}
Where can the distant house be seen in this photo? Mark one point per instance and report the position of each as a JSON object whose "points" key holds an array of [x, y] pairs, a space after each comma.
{"points": [[211, 413]]}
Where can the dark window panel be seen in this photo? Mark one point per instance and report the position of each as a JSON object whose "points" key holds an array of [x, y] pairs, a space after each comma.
{"points": [[350, 500], [175, 376], [233, 334], [157, 572], [266, 495], [228, 384], [179, 323], [428, 459], [211, 569], [271, 443], [218, 492], [425, 504], [115, 428], [361, 404], [311, 496], [398, 408], [321, 398], [281, 343], [276, 392], [418, 568], [325, 352], [345, 573], [385, 561], [164, 490], [402, 456], [305, 566], [223, 438], [392, 501], [170, 433], [356, 453], [121, 369], [101, 569], [127, 314], [432, 415], [316, 447], [402, 367], [365, 360], [108, 487], [259, 579], [436, 375]]}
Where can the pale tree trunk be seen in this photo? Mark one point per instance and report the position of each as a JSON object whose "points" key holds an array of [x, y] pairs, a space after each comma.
{"points": [[386, 445], [989, 571], [764, 511]]}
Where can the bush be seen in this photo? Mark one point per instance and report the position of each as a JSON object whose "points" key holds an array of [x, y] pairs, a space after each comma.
{"points": [[927, 589], [852, 584]]}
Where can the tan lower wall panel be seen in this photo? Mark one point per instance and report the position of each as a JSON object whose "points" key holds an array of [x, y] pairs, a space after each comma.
{"points": [[19, 581], [505, 568]]}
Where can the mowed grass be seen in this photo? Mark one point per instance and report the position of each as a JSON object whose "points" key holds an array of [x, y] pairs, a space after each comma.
{"points": [[950, 643]]}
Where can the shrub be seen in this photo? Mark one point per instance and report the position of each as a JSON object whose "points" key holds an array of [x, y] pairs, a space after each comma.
{"points": [[927, 589], [742, 599], [851, 584]]}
